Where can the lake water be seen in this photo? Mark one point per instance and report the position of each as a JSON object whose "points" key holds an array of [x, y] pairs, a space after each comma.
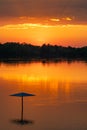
{"points": [[61, 95]]}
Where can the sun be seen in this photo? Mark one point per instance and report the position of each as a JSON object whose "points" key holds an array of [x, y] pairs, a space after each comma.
{"points": [[41, 40]]}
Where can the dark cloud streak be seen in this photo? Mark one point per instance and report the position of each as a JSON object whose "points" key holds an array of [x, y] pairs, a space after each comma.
{"points": [[45, 8]]}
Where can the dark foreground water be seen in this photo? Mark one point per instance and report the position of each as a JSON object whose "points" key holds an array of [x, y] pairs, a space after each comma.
{"points": [[61, 96]]}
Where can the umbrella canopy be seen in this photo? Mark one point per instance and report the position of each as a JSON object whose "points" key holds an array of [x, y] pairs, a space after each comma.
{"points": [[22, 94]]}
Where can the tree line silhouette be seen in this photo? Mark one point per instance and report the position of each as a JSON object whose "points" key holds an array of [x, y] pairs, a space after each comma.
{"points": [[26, 51]]}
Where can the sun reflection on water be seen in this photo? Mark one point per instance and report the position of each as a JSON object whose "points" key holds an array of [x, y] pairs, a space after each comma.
{"points": [[53, 80]]}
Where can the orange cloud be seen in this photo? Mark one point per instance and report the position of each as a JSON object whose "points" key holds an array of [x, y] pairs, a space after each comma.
{"points": [[55, 19]]}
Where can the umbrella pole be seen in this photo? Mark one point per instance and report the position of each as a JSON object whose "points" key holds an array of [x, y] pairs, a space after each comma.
{"points": [[22, 108]]}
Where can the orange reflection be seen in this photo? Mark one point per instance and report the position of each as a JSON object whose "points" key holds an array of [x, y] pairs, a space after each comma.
{"points": [[38, 72], [48, 81]]}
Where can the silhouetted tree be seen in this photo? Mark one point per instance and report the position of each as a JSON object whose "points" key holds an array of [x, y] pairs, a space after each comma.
{"points": [[25, 51]]}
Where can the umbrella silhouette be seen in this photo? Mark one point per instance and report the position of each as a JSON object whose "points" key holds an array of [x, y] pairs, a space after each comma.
{"points": [[22, 95]]}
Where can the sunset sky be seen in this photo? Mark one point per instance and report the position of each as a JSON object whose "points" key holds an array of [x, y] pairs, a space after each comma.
{"points": [[61, 22]]}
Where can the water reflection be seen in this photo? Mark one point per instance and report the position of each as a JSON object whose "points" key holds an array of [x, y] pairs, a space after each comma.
{"points": [[22, 122], [36, 72], [61, 101], [43, 61]]}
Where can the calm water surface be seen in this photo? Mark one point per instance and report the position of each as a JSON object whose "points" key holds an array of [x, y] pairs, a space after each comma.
{"points": [[61, 96]]}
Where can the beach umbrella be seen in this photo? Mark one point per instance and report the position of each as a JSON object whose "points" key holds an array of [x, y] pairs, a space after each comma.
{"points": [[22, 95]]}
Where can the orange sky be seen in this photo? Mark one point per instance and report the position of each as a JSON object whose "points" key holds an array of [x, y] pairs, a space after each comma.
{"points": [[38, 33], [61, 22]]}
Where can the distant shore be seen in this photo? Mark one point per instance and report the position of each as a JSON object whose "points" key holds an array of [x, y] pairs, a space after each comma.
{"points": [[12, 51]]}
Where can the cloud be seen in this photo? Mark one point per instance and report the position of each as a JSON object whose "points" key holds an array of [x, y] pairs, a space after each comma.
{"points": [[57, 9]]}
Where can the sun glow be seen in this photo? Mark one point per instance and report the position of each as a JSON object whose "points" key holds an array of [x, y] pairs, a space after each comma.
{"points": [[49, 31]]}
